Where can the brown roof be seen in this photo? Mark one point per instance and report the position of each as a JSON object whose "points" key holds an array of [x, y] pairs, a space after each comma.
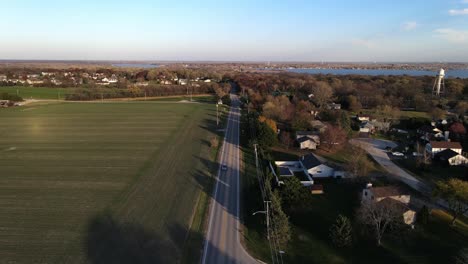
{"points": [[388, 191], [445, 144], [394, 203]]}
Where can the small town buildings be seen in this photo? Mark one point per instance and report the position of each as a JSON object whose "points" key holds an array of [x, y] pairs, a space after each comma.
{"points": [[182, 81], [391, 196], [452, 157], [333, 106], [377, 194], [307, 139], [3, 78], [434, 147], [4, 103], [362, 118], [113, 79], [315, 167]]}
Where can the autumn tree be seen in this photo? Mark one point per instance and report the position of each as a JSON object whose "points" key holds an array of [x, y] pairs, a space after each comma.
{"points": [[270, 122], [461, 108], [455, 193], [322, 93], [437, 113], [353, 103], [358, 164]]}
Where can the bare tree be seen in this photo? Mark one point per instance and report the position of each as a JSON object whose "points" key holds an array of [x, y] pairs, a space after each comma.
{"points": [[333, 137], [379, 217], [358, 164]]}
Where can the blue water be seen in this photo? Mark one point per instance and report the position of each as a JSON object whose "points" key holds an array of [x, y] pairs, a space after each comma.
{"points": [[135, 65], [448, 73]]}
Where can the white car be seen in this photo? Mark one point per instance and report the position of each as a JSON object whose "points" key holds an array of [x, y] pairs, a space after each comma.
{"points": [[398, 154]]}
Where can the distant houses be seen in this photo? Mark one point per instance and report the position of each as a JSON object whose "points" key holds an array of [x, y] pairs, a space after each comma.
{"points": [[434, 147]]}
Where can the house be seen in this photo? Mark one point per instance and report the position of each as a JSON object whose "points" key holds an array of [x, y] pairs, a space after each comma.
{"points": [[452, 157], [4, 103], [362, 118], [141, 84], [166, 82], [408, 214], [307, 143], [333, 106], [377, 194], [3, 78], [314, 167], [32, 76], [207, 81], [113, 79], [182, 81], [307, 139], [434, 147], [391, 196]]}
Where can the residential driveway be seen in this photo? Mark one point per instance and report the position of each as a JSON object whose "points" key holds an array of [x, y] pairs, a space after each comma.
{"points": [[376, 148]]}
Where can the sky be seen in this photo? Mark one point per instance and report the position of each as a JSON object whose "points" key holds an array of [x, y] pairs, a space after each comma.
{"points": [[243, 30]]}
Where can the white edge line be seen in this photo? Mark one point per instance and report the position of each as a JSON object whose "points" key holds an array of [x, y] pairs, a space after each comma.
{"points": [[215, 191]]}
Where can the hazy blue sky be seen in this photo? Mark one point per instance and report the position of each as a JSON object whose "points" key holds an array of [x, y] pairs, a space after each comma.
{"points": [[264, 30]]}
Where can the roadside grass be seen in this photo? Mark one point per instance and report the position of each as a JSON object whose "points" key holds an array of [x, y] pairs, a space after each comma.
{"points": [[27, 92], [65, 164], [195, 239], [433, 172]]}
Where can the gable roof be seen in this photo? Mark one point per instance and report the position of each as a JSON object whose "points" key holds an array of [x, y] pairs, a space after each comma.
{"points": [[395, 204], [388, 191], [310, 161], [447, 154], [305, 133], [304, 139], [445, 144]]}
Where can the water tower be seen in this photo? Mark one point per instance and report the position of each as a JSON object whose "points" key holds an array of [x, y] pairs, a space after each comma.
{"points": [[439, 84]]}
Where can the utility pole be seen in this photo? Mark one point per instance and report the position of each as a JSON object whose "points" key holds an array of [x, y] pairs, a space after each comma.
{"points": [[217, 115], [267, 214]]}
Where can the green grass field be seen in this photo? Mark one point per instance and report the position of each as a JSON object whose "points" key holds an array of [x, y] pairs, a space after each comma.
{"points": [[101, 182], [36, 92]]}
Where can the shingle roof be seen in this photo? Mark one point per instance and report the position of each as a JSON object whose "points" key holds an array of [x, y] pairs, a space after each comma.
{"points": [[303, 139], [305, 133], [445, 144], [310, 161], [447, 154], [388, 191]]}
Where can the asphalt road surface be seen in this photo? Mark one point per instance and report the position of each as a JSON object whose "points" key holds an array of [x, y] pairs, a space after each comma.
{"points": [[222, 243]]}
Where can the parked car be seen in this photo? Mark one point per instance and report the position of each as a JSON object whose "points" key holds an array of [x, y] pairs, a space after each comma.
{"points": [[223, 167], [398, 154], [416, 154]]}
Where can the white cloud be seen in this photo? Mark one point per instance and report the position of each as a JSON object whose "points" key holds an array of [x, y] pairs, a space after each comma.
{"points": [[452, 35], [456, 12], [410, 25]]}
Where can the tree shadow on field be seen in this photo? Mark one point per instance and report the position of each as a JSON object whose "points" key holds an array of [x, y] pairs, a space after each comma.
{"points": [[109, 241]]}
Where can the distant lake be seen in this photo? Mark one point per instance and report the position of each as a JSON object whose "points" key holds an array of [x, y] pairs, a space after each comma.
{"points": [[135, 65], [448, 73]]}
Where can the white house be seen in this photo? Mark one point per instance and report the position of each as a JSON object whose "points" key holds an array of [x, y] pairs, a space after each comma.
{"points": [[363, 118], [113, 79], [315, 168], [307, 143], [307, 139], [434, 147], [183, 81], [451, 157]]}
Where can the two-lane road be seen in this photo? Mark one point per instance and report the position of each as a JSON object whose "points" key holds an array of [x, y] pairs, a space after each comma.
{"points": [[222, 243]]}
